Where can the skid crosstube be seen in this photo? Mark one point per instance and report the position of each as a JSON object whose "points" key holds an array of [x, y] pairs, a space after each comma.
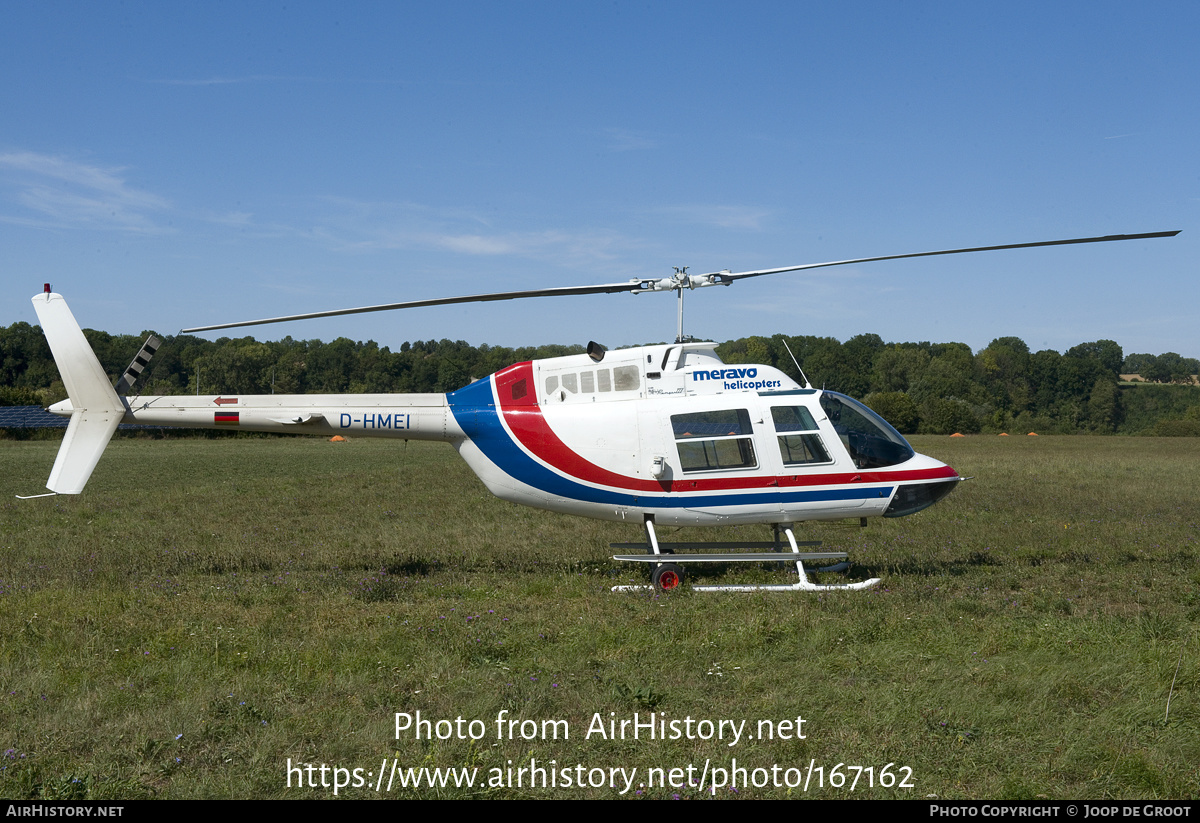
{"points": [[741, 557], [739, 544], [668, 571]]}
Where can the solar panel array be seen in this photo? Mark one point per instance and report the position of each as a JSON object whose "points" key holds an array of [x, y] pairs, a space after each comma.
{"points": [[33, 417]]}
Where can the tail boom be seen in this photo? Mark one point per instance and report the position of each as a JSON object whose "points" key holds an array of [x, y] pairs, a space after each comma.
{"points": [[96, 409], [406, 416]]}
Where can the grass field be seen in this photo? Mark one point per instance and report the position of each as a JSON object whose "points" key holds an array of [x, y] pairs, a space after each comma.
{"points": [[211, 609]]}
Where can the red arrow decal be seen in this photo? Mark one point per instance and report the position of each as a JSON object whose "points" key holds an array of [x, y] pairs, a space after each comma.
{"points": [[221, 401]]}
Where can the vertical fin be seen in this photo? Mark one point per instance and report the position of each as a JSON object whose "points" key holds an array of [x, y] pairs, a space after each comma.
{"points": [[95, 407]]}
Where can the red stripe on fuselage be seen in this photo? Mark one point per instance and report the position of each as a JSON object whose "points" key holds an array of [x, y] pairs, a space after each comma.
{"points": [[529, 426], [533, 432]]}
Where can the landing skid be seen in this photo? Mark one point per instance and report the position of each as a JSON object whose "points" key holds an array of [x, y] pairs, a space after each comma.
{"points": [[668, 571]]}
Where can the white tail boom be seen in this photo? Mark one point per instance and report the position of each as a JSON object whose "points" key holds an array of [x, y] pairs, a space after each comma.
{"points": [[95, 408]]}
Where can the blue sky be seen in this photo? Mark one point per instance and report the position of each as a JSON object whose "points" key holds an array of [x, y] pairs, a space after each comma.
{"points": [[169, 165]]}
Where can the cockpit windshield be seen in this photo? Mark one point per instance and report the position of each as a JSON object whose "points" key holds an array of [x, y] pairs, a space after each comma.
{"points": [[871, 440]]}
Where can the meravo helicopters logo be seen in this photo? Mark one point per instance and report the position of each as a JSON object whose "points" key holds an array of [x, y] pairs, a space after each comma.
{"points": [[724, 374], [736, 378]]}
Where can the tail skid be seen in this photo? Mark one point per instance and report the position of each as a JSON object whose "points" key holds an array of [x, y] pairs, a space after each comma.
{"points": [[95, 408]]}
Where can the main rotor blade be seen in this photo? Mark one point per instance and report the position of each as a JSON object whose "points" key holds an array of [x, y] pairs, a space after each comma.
{"points": [[1105, 239], [658, 284], [611, 288]]}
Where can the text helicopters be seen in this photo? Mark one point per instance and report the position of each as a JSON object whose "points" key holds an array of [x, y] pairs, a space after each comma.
{"points": [[660, 435]]}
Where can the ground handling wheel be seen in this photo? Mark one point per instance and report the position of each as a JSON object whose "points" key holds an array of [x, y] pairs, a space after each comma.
{"points": [[667, 577]]}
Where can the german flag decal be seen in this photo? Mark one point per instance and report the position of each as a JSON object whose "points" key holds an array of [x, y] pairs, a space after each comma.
{"points": [[228, 417]]}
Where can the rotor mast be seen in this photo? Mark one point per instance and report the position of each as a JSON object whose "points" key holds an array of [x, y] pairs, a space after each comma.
{"points": [[680, 276]]}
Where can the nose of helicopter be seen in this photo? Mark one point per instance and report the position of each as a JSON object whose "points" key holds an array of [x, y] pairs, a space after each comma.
{"points": [[933, 480]]}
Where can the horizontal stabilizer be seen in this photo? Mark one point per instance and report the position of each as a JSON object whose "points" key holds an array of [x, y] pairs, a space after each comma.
{"points": [[87, 435]]}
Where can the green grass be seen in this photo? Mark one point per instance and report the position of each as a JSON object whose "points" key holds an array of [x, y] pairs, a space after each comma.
{"points": [[209, 609]]}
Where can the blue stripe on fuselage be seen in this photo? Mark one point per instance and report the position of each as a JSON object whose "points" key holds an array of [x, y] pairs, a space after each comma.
{"points": [[475, 411]]}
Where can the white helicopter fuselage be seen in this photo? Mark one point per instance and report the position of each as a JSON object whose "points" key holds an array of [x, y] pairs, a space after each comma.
{"points": [[669, 431], [673, 433]]}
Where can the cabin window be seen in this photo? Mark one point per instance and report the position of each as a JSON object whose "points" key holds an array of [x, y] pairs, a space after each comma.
{"points": [[796, 448], [714, 440], [622, 378], [670, 360], [870, 439], [626, 378]]}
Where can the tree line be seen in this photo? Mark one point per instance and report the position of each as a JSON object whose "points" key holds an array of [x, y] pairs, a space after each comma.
{"points": [[935, 388]]}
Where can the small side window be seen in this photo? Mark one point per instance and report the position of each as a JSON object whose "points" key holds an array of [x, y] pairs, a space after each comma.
{"points": [[626, 378]]}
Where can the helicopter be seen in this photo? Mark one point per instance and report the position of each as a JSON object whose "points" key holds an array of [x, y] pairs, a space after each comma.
{"points": [[661, 435]]}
